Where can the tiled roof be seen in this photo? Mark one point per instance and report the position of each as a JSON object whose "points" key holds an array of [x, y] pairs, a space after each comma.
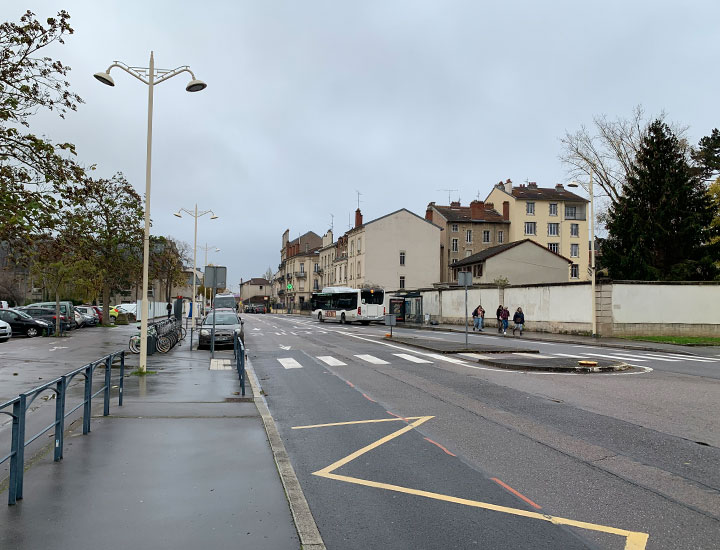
{"points": [[257, 281], [495, 250], [545, 193], [462, 214]]}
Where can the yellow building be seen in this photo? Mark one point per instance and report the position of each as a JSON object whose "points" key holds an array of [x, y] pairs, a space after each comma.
{"points": [[551, 216]]}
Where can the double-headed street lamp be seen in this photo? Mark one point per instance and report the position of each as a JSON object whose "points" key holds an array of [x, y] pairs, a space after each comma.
{"points": [[589, 189], [195, 214], [150, 76]]}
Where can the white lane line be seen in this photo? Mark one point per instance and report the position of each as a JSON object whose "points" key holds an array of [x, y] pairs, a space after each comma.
{"points": [[447, 359], [331, 361], [627, 356], [614, 357], [534, 355], [661, 358], [281, 334], [475, 356], [411, 358], [571, 355], [372, 359], [289, 363], [544, 343], [697, 358]]}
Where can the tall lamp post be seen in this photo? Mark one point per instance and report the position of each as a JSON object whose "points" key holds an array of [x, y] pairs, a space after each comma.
{"points": [[195, 214], [589, 189], [150, 76], [206, 248]]}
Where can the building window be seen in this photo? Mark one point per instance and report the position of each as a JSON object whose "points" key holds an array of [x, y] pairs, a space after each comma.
{"points": [[352, 249], [316, 267], [477, 270], [454, 228], [553, 229], [553, 209], [402, 281], [574, 229], [302, 267], [571, 212], [468, 236], [554, 247], [454, 246], [358, 270], [468, 253], [574, 250], [486, 236], [530, 208], [574, 271], [316, 286], [501, 236], [359, 244], [402, 257], [530, 228]]}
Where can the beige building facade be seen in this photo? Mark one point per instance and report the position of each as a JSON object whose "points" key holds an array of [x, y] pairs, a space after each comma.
{"points": [[552, 217], [298, 272]]}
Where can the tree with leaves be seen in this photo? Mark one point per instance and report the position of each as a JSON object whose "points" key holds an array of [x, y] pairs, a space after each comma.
{"points": [[33, 170], [659, 227], [167, 260]]}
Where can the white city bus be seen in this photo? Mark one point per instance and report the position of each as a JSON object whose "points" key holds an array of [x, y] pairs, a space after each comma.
{"points": [[347, 305]]}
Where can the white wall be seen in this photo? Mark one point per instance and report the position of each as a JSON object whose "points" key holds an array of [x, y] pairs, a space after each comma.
{"points": [[658, 303]]}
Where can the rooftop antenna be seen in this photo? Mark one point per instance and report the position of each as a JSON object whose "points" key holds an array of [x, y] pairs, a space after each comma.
{"points": [[477, 197], [448, 192], [332, 222], [349, 221], [358, 198]]}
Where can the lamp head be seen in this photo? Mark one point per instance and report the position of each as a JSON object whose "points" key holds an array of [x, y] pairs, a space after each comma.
{"points": [[573, 184], [213, 217], [194, 85], [178, 214], [105, 78], [217, 250]]}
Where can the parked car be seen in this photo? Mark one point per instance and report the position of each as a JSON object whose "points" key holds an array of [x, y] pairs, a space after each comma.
{"points": [[227, 324], [91, 318], [21, 323], [260, 308], [123, 308], [66, 309], [5, 331], [46, 314]]}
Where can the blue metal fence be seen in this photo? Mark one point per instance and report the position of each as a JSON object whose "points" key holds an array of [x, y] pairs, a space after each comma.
{"points": [[239, 353], [59, 386]]}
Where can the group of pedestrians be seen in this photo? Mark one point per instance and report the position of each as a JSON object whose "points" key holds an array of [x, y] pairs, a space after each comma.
{"points": [[503, 315]]}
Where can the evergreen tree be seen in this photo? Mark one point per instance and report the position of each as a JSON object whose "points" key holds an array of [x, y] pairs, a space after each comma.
{"points": [[660, 228]]}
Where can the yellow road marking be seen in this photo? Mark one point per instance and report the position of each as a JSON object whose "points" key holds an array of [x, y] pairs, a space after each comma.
{"points": [[634, 540]]}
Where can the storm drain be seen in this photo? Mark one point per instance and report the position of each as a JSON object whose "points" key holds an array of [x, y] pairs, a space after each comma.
{"points": [[220, 364]]}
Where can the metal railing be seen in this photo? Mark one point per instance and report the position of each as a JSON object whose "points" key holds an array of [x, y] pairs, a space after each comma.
{"points": [[239, 354], [21, 404]]}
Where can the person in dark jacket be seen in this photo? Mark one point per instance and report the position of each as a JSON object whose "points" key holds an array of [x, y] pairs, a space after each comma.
{"points": [[519, 320], [478, 318], [169, 309], [505, 315], [498, 315]]}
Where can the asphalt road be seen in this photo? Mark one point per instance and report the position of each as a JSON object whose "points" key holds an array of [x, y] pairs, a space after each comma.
{"points": [[432, 451]]}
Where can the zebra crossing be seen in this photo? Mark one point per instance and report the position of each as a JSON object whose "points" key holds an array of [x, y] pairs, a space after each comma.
{"points": [[468, 359]]}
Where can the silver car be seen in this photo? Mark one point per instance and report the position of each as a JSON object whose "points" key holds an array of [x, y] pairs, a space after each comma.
{"points": [[5, 331]]}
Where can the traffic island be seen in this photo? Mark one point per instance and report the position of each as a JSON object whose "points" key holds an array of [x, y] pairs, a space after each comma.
{"points": [[440, 346]]}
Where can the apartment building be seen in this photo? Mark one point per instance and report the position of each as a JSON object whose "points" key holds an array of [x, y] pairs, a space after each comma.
{"points": [[255, 291], [326, 256], [298, 272], [551, 216], [467, 231], [396, 251]]}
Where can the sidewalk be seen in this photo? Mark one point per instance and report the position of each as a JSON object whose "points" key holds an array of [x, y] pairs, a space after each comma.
{"points": [[185, 463]]}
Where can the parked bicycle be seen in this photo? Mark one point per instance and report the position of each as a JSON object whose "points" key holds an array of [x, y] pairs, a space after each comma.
{"points": [[166, 335]]}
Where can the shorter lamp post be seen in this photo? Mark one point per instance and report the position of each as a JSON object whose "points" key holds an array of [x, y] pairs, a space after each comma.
{"points": [[195, 214], [207, 248], [589, 189]]}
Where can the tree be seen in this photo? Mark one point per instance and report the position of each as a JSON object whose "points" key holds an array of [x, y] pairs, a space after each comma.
{"points": [[659, 228], [268, 275], [707, 155], [106, 224], [167, 258], [33, 170]]}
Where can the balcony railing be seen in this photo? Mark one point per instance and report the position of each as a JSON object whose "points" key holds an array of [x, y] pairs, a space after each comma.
{"points": [[300, 274]]}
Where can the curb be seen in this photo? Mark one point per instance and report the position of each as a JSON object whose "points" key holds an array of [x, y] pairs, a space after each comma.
{"points": [[310, 538]]}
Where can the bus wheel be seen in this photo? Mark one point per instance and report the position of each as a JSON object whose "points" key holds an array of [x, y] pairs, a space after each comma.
{"points": [[342, 318], [320, 318]]}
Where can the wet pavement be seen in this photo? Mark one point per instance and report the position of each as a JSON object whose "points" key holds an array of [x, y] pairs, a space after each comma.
{"points": [[185, 463]]}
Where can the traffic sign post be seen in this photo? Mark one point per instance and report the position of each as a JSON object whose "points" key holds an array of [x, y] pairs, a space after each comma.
{"points": [[465, 279]]}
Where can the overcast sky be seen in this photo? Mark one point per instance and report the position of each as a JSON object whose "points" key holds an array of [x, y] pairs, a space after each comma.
{"points": [[310, 101]]}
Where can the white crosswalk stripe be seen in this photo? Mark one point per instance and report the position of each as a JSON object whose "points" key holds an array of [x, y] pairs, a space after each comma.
{"points": [[446, 358], [411, 358], [331, 361], [571, 355], [696, 358], [661, 358], [623, 357], [372, 359], [289, 363]]}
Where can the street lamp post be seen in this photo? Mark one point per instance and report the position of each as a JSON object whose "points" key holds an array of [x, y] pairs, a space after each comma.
{"points": [[206, 248], [195, 215], [152, 77], [589, 189]]}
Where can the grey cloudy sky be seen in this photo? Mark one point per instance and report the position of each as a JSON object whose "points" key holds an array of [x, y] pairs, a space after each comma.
{"points": [[310, 101]]}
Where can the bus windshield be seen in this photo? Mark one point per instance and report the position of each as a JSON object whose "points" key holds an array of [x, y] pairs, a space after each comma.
{"points": [[225, 301], [373, 296]]}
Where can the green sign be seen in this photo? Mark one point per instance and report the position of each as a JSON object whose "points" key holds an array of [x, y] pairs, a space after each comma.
{"points": [[289, 287]]}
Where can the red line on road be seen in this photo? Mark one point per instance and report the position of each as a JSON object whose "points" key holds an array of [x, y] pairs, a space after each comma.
{"points": [[398, 416], [514, 492], [438, 444], [366, 397], [350, 384]]}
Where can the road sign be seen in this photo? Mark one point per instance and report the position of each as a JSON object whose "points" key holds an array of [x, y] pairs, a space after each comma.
{"points": [[215, 276], [465, 278], [289, 287]]}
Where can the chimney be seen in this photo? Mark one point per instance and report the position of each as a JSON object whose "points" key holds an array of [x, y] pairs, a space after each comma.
{"points": [[559, 187], [532, 185], [358, 218], [508, 186], [490, 205], [455, 203], [477, 209], [429, 212], [506, 210]]}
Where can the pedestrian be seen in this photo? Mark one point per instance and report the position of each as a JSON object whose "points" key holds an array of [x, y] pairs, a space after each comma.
{"points": [[519, 320], [478, 318], [498, 315], [169, 309], [505, 315]]}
